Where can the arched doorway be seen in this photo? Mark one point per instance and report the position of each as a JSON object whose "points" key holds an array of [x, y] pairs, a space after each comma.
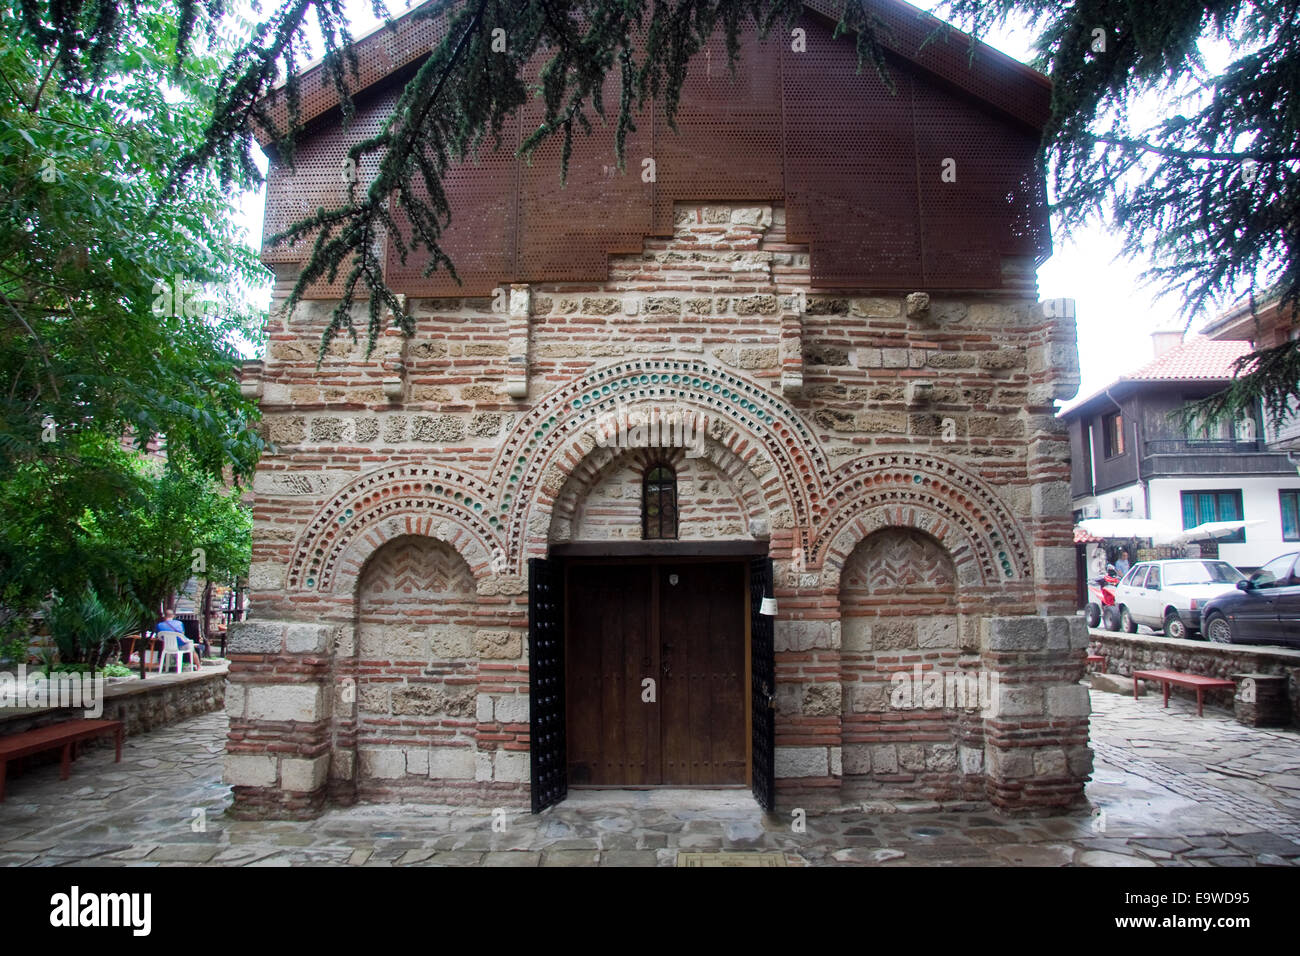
{"points": [[415, 671], [912, 694]]}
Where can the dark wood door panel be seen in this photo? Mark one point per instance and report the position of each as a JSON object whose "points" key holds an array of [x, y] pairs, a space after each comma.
{"points": [[702, 720], [613, 734], [630, 621]]}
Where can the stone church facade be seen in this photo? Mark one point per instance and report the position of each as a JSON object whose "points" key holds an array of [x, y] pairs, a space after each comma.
{"points": [[826, 516]]}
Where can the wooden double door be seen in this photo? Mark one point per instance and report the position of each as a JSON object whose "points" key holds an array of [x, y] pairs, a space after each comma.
{"points": [[657, 673]]}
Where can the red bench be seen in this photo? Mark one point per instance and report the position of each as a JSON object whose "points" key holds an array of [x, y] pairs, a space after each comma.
{"points": [[1194, 681], [67, 735]]}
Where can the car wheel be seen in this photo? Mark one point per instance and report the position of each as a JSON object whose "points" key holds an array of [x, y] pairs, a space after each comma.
{"points": [[1174, 626], [1092, 614], [1219, 629], [1126, 622]]}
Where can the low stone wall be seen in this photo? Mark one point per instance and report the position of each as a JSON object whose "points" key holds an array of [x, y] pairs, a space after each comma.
{"points": [[1126, 653], [142, 705]]}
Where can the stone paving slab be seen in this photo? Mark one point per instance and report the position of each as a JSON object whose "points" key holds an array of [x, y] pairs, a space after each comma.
{"points": [[1169, 789]]}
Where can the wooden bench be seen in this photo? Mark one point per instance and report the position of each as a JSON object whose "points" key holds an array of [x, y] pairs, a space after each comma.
{"points": [[1194, 681], [67, 735], [1097, 659]]}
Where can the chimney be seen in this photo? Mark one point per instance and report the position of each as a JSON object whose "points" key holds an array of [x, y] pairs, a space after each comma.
{"points": [[1166, 339]]}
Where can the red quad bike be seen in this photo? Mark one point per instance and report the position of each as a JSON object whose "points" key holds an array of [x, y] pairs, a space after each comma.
{"points": [[1101, 609]]}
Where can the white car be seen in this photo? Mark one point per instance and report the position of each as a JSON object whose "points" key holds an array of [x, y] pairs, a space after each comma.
{"points": [[1168, 595]]}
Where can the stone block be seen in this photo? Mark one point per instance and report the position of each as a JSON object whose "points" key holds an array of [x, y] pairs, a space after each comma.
{"points": [[266, 576], [884, 758], [822, 700], [382, 763], [856, 633], [512, 709], [911, 757], [856, 759], [452, 763], [1009, 764], [417, 761], [941, 758], [308, 638], [893, 634], [1069, 701], [498, 644], [418, 701], [235, 699], [936, 632], [1019, 700], [483, 708], [971, 760], [303, 775], [802, 635], [250, 770], [1028, 633], [801, 762], [285, 702], [1050, 762], [511, 766]]}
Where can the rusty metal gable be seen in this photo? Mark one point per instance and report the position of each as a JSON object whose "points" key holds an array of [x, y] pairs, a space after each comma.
{"points": [[857, 166]]}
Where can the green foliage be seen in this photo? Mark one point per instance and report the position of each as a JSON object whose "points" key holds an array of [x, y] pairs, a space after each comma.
{"points": [[98, 257], [1210, 188], [457, 98], [85, 626], [14, 639], [88, 242]]}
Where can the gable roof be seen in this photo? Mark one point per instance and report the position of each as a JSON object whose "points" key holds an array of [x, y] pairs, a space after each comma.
{"points": [[1197, 360], [386, 55]]}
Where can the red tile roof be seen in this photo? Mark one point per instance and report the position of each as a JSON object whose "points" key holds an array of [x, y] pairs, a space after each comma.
{"points": [[1197, 358]]}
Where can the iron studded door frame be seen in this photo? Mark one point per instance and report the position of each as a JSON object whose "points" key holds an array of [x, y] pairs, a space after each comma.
{"points": [[548, 759], [762, 683]]}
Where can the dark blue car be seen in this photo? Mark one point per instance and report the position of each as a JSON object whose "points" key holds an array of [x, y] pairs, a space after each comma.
{"points": [[1265, 608]]}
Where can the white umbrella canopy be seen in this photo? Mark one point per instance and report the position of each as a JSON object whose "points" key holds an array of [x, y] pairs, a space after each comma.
{"points": [[1124, 528], [1214, 529]]}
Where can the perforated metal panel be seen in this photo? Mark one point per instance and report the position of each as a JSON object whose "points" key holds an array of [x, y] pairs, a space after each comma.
{"points": [[858, 167], [568, 233], [728, 141], [850, 166]]}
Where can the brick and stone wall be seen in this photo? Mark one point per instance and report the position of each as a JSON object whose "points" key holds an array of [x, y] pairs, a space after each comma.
{"points": [[140, 705], [898, 455], [1126, 653]]}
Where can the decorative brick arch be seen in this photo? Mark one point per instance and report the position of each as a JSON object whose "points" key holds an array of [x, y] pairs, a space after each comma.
{"points": [[388, 503], [929, 494], [599, 462], [550, 441]]}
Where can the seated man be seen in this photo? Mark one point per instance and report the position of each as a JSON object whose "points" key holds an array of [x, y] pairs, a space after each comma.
{"points": [[169, 623]]}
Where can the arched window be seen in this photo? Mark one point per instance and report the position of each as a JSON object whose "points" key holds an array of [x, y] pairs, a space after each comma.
{"points": [[659, 503]]}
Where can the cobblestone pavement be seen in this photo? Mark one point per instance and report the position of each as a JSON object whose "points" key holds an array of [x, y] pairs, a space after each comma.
{"points": [[1169, 790]]}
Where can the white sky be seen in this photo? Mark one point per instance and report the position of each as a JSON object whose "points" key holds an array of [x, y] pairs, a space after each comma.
{"points": [[1115, 312]]}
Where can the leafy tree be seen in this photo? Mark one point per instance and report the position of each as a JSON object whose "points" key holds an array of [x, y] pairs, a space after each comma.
{"points": [[122, 299], [1211, 188], [93, 337], [458, 98]]}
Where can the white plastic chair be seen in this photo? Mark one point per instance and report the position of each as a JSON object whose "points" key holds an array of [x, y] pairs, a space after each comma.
{"points": [[171, 646]]}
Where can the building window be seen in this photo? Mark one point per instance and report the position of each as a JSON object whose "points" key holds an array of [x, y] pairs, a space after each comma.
{"points": [[1200, 507], [659, 503], [1112, 434], [1290, 515]]}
